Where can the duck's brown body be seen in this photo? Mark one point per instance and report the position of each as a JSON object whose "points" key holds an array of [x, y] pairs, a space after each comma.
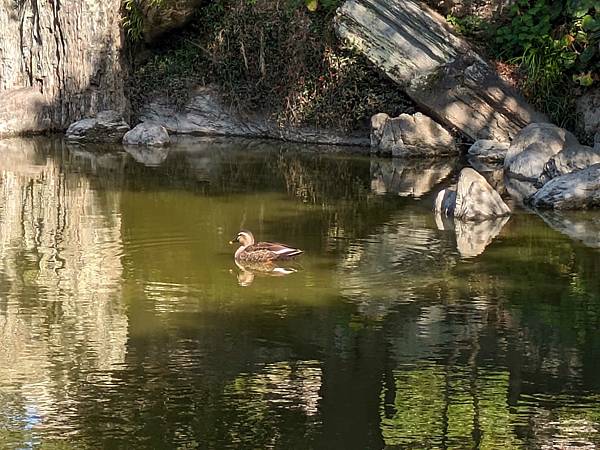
{"points": [[262, 251]]}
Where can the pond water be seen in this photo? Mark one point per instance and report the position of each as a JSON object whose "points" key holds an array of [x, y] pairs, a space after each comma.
{"points": [[125, 323]]}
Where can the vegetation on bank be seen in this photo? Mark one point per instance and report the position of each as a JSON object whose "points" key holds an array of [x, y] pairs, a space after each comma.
{"points": [[281, 58], [278, 58], [555, 45]]}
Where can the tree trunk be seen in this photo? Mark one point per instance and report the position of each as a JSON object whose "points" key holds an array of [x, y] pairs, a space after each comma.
{"points": [[60, 61]]}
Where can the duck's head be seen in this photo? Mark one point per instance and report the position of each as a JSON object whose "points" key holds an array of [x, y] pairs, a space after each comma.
{"points": [[244, 237]]}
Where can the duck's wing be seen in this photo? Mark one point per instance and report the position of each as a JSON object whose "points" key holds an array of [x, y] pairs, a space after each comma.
{"points": [[276, 249]]}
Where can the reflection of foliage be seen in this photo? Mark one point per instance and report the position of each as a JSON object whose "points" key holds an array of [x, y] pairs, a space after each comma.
{"points": [[435, 404]]}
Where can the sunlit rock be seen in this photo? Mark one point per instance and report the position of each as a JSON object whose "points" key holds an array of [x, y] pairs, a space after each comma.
{"points": [[407, 135], [474, 199], [106, 126], [439, 70], [576, 190], [147, 134], [408, 177], [533, 146]]}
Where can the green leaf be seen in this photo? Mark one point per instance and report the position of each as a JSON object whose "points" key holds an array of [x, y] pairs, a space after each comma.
{"points": [[587, 55], [312, 5], [584, 79], [588, 23]]}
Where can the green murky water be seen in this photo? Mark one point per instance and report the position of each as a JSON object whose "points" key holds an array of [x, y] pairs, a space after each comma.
{"points": [[124, 322]]}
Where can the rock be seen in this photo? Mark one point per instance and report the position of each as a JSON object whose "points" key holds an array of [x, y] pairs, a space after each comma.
{"points": [[408, 178], [475, 199], [107, 126], [533, 146], [410, 136], [147, 133], [575, 190], [205, 114], [571, 159], [161, 17], [519, 190], [588, 109], [445, 202], [488, 150], [416, 48], [59, 62]]}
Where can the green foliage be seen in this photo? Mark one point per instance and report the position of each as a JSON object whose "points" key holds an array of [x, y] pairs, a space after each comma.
{"points": [[133, 17], [556, 44], [276, 58], [469, 26]]}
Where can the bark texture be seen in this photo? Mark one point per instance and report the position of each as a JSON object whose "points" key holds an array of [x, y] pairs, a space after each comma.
{"points": [[60, 61]]}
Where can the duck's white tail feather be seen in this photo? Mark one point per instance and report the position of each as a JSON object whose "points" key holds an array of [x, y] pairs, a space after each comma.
{"points": [[288, 252]]}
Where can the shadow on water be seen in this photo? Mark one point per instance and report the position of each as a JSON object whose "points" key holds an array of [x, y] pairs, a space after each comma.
{"points": [[123, 322]]}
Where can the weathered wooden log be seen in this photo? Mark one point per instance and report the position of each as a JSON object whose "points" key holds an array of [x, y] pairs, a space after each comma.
{"points": [[416, 48]]}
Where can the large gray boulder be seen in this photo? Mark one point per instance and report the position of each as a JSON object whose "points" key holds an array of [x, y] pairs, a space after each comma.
{"points": [[575, 190], [407, 135], [474, 199], [147, 133], [106, 127], [206, 114], [533, 146], [416, 48], [488, 150], [571, 159]]}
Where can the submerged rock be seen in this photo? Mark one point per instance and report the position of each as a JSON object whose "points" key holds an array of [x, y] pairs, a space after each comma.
{"points": [[410, 136], [488, 150], [107, 127], [476, 199], [533, 146], [417, 48], [575, 190], [147, 133], [571, 159]]}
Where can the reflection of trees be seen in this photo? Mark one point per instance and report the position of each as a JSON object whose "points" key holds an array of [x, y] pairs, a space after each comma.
{"points": [[59, 278]]}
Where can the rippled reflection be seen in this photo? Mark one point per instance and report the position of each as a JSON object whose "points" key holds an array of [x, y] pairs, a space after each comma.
{"points": [[126, 323]]}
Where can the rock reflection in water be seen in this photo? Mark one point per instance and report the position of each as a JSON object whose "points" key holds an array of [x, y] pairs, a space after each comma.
{"points": [[248, 271], [472, 238], [582, 226], [148, 156], [409, 177], [60, 278]]}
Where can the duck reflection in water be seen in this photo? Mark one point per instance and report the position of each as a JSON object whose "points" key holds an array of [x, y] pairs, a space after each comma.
{"points": [[259, 258], [248, 271], [261, 252]]}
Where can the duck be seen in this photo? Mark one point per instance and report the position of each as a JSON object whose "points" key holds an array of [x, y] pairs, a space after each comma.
{"points": [[260, 252]]}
